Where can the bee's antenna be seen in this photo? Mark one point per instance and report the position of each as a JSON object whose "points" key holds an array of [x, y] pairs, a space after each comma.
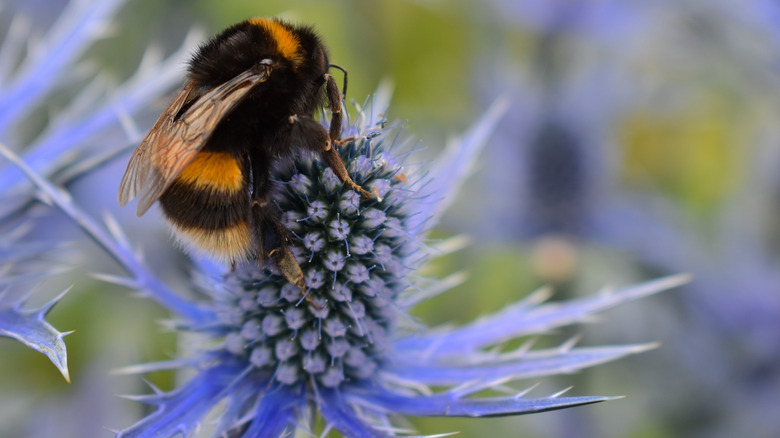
{"points": [[344, 89]]}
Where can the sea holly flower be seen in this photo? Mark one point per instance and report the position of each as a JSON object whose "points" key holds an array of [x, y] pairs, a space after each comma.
{"points": [[352, 354], [91, 129]]}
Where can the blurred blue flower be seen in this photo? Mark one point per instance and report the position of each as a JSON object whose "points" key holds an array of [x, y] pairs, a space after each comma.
{"points": [[602, 21], [61, 144], [273, 360], [561, 146]]}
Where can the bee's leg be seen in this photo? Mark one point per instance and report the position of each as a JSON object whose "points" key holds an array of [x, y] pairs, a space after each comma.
{"points": [[307, 132], [271, 236], [334, 105], [273, 243]]}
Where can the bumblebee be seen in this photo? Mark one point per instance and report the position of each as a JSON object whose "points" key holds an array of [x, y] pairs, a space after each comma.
{"points": [[249, 100]]}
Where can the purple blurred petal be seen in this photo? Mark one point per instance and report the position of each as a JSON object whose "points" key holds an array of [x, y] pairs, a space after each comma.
{"points": [[74, 133], [80, 24]]}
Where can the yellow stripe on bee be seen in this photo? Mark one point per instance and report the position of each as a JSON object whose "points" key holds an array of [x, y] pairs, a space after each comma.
{"points": [[286, 42], [215, 171]]}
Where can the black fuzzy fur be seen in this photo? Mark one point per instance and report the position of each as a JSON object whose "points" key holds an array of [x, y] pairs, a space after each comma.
{"points": [[259, 131], [194, 207]]}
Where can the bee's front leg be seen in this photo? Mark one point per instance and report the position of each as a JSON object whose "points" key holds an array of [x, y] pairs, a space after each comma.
{"points": [[310, 134]]}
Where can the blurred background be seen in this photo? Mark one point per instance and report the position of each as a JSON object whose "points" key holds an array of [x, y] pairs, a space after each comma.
{"points": [[641, 140]]}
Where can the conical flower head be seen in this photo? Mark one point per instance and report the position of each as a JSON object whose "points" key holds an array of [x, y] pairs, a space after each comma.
{"points": [[355, 255]]}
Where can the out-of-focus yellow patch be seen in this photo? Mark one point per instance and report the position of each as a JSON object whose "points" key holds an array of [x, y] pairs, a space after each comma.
{"points": [[693, 153]]}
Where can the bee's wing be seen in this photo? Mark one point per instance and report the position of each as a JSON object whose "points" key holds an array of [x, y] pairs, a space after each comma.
{"points": [[160, 137], [173, 141]]}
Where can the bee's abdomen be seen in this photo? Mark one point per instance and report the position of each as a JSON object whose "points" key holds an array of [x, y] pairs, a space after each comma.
{"points": [[208, 205]]}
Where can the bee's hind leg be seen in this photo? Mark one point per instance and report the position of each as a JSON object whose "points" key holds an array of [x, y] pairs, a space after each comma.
{"points": [[273, 243], [271, 237]]}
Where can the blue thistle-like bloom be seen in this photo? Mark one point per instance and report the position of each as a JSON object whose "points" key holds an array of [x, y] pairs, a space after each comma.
{"points": [[352, 353], [355, 256]]}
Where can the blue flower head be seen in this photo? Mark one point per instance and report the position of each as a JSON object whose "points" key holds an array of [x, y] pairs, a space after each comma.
{"points": [[355, 256], [351, 351]]}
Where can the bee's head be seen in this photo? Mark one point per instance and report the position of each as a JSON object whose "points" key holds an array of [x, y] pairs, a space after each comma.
{"points": [[291, 50]]}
